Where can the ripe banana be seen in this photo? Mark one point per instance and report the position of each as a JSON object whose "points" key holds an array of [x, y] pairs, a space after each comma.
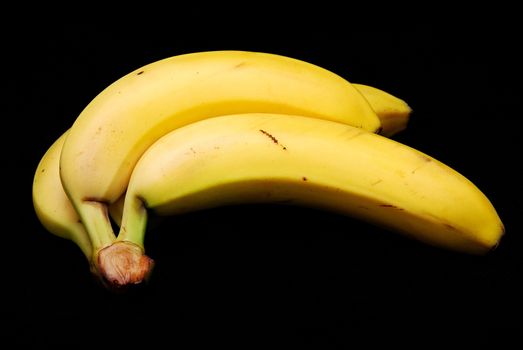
{"points": [[394, 113], [52, 207], [119, 124], [304, 161], [57, 214]]}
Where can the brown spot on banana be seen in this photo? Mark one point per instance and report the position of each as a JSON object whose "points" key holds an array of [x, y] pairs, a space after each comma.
{"points": [[426, 161], [450, 227], [390, 206], [274, 139], [425, 158]]}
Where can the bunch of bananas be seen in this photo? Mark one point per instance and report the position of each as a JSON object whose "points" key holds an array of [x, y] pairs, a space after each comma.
{"points": [[208, 129]]}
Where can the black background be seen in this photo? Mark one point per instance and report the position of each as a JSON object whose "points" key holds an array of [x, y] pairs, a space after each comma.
{"points": [[255, 273]]}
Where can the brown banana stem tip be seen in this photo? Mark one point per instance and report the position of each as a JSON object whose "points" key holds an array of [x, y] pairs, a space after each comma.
{"points": [[123, 264]]}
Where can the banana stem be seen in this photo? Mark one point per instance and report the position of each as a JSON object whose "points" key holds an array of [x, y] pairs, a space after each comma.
{"points": [[123, 263], [96, 220], [134, 221]]}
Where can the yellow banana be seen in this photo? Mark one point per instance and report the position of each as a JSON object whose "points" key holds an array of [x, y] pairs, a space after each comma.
{"points": [[303, 161], [58, 216], [52, 207], [394, 113], [119, 124]]}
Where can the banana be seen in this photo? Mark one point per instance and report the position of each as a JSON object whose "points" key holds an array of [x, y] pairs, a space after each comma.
{"points": [[51, 204], [58, 216], [119, 124], [394, 113], [301, 161]]}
